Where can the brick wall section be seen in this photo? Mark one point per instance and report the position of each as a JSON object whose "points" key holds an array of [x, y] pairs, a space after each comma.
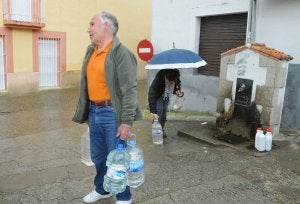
{"points": [[271, 94], [225, 86]]}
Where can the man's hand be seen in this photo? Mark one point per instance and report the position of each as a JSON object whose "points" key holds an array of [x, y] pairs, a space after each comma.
{"points": [[124, 131]]}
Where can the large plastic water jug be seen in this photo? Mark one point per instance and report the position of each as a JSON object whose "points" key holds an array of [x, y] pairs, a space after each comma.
{"points": [[136, 175], [260, 140], [117, 164], [157, 132], [85, 149], [258, 131], [269, 137]]}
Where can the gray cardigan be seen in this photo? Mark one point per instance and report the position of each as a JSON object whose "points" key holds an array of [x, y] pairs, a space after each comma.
{"points": [[120, 75]]}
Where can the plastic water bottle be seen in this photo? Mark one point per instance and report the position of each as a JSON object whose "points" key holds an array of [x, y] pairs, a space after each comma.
{"points": [[136, 175], [258, 132], [117, 164], [269, 139], [260, 141], [157, 132], [85, 149]]}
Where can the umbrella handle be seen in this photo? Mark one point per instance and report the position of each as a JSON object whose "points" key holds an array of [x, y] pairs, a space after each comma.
{"points": [[182, 94]]}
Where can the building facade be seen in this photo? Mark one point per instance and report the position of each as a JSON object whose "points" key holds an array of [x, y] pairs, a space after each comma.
{"points": [[42, 43], [210, 28]]}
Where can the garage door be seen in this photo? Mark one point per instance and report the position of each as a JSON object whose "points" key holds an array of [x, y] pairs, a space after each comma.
{"points": [[217, 35]]}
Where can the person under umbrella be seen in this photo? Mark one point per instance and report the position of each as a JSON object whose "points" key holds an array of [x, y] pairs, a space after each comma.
{"points": [[165, 83]]}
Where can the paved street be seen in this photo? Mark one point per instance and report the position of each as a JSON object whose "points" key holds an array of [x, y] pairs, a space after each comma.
{"points": [[40, 159]]}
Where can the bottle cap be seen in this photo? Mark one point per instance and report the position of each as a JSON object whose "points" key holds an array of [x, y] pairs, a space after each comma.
{"points": [[258, 128], [120, 146], [269, 130]]}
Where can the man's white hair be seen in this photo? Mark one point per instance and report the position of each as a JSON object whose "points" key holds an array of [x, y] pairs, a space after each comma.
{"points": [[111, 19]]}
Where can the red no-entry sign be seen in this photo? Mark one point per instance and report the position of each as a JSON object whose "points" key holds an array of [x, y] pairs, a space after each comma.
{"points": [[145, 50]]}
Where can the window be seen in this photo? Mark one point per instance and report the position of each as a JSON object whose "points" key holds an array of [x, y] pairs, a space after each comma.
{"points": [[21, 10], [6, 57], [49, 57], [24, 13], [2, 64]]}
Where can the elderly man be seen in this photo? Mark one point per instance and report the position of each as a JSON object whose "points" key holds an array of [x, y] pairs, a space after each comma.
{"points": [[108, 97]]}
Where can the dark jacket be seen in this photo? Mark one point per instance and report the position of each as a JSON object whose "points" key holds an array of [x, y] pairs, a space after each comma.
{"points": [[157, 88], [120, 75]]}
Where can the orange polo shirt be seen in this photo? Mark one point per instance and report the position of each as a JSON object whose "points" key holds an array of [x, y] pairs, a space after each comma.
{"points": [[97, 88]]}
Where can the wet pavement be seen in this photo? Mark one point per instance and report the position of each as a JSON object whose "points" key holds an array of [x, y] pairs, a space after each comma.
{"points": [[40, 159]]}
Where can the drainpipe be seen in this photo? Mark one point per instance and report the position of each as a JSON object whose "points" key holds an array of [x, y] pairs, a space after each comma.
{"points": [[251, 23]]}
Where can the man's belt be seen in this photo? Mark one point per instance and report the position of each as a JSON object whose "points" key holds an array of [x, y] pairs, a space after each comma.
{"points": [[102, 103]]}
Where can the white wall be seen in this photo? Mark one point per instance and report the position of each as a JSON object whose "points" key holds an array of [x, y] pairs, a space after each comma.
{"points": [[278, 26], [178, 21]]}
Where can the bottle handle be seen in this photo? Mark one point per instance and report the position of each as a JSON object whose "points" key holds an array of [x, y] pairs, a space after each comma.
{"points": [[119, 143], [132, 139], [181, 95]]}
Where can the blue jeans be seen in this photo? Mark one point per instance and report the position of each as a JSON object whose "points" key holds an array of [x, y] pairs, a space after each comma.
{"points": [[103, 131], [162, 107]]}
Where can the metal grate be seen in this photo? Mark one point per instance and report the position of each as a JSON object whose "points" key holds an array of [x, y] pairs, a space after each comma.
{"points": [[48, 56]]}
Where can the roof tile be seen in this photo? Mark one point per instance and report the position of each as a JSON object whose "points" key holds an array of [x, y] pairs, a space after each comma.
{"points": [[261, 48]]}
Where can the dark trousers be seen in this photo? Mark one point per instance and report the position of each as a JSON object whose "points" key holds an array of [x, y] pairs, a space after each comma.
{"points": [[162, 107], [103, 130]]}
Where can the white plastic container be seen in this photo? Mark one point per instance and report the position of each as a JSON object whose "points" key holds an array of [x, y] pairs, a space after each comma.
{"points": [[85, 149], [178, 104], [136, 175], [157, 133], [117, 164], [269, 138], [260, 141], [258, 132]]}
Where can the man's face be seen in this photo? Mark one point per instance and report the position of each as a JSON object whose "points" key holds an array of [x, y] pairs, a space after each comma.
{"points": [[97, 30]]}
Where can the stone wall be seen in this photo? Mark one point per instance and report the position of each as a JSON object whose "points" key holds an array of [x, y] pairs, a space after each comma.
{"points": [[269, 76]]}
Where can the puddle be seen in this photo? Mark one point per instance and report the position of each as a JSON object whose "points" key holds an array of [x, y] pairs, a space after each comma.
{"points": [[232, 139]]}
